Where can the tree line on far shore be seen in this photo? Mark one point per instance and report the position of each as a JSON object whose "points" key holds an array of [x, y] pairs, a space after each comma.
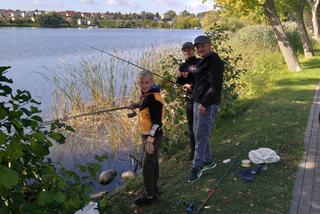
{"points": [[170, 19]]}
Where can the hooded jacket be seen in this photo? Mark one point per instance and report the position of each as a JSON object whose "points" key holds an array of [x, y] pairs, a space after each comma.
{"points": [[151, 112]]}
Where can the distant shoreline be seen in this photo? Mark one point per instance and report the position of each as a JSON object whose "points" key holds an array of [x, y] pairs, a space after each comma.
{"points": [[89, 27]]}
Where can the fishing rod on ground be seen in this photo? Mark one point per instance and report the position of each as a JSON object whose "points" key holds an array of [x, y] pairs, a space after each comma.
{"points": [[220, 181], [130, 115], [216, 186]]}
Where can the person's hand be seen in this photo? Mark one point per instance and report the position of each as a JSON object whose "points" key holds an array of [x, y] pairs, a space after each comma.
{"points": [[185, 74], [202, 109], [192, 68], [132, 106], [187, 87], [150, 147]]}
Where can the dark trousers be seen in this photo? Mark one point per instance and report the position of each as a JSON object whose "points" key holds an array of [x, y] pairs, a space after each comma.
{"points": [[150, 166], [189, 112]]}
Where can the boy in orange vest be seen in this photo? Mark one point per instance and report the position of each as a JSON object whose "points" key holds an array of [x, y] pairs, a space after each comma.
{"points": [[151, 113]]}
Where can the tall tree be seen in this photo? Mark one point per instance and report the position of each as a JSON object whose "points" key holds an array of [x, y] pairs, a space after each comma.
{"points": [[314, 4], [298, 9], [283, 42], [169, 15], [244, 7]]}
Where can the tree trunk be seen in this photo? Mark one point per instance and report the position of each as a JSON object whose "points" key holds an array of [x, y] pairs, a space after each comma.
{"points": [[314, 4], [284, 45], [302, 30]]}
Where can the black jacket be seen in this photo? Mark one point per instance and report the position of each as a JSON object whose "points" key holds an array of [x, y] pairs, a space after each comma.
{"points": [[208, 80], [185, 67]]}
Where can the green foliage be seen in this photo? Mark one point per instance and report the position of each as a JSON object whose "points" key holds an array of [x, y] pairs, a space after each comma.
{"points": [[169, 15], [231, 23], [29, 181], [293, 37], [261, 57], [259, 36], [252, 42], [259, 75], [51, 20], [175, 127], [210, 20], [188, 21], [232, 74]]}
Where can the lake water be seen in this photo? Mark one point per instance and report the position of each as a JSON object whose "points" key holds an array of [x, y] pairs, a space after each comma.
{"points": [[30, 51]]}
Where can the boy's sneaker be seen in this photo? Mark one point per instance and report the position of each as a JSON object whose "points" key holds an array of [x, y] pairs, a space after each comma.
{"points": [[208, 165], [145, 200], [194, 175]]}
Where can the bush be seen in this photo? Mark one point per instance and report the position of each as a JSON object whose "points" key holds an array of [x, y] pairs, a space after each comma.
{"points": [[259, 75], [293, 37], [29, 181], [260, 37], [251, 42], [51, 20], [232, 24]]}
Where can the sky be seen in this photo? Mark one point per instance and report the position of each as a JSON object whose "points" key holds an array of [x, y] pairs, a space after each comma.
{"points": [[125, 6]]}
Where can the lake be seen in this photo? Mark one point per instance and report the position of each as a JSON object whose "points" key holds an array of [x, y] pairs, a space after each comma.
{"points": [[30, 51]]}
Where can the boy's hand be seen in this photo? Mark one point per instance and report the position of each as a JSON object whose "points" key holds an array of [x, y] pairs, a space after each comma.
{"points": [[132, 106], [150, 148], [187, 87], [202, 109]]}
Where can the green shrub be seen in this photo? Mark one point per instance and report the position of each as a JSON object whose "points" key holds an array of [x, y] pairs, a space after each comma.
{"points": [[232, 24], [257, 78], [259, 37], [29, 181], [293, 37], [251, 42]]}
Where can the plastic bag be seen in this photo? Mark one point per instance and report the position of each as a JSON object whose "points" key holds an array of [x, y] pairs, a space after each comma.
{"points": [[263, 155]]}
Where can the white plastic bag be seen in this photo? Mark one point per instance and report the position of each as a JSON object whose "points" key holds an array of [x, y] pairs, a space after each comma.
{"points": [[91, 208], [263, 155]]}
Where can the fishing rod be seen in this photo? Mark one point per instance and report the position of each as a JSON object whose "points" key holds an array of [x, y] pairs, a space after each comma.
{"points": [[89, 114], [135, 65], [212, 191]]}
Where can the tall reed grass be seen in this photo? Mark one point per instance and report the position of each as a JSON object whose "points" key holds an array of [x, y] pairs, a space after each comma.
{"points": [[100, 83]]}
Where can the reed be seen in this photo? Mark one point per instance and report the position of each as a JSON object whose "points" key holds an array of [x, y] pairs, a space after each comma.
{"points": [[95, 84]]}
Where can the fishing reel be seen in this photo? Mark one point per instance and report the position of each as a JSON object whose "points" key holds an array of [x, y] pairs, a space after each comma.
{"points": [[188, 96], [132, 114]]}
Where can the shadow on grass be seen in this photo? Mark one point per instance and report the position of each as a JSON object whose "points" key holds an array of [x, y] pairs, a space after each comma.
{"points": [[311, 63], [297, 82]]}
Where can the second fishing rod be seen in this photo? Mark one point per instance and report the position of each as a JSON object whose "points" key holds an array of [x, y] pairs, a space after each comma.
{"points": [[187, 91]]}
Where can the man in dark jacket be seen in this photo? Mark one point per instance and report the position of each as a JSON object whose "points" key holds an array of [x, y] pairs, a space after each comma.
{"points": [[207, 96]]}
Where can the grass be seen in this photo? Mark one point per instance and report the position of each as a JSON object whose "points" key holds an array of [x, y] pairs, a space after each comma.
{"points": [[276, 119]]}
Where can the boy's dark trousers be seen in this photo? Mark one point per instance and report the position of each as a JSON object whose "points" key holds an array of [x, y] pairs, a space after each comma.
{"points": [[189, 113], [150, 166]]}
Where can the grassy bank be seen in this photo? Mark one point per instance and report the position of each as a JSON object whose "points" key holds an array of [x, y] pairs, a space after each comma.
{"points": [[276, 119]]}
